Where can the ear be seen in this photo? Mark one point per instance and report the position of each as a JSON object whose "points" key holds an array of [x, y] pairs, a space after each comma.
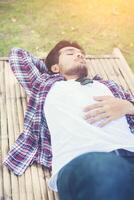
{"points": [[55, 68]]}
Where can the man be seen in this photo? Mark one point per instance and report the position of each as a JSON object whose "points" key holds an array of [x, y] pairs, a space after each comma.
{"points": [[90, 122]]}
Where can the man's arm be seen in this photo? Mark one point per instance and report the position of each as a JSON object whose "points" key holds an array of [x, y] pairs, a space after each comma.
{"points": [[110, 108], [26, 67]]}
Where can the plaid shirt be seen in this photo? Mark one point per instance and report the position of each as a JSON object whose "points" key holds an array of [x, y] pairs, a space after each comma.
{"points": [[34, 143]]}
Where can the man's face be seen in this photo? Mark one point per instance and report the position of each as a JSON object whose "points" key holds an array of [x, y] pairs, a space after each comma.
{"points": [[72, 62]]}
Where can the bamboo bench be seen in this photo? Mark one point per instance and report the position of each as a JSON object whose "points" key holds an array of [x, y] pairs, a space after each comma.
{"points": [[32, 184]]}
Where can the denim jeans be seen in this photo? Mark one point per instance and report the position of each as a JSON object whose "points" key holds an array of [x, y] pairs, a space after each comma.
{"points": [[97, 176]]}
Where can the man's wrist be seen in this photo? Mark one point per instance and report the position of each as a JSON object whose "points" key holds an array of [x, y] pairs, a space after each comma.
{"points": [[129, 108]]}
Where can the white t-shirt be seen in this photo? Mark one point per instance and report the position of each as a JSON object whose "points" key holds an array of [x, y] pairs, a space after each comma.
{"points": [[71, 135]]}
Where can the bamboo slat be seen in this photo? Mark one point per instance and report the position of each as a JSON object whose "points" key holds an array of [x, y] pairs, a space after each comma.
{"points": [[117, 77], [107, 68], [90, 71], [125, 70], [21, 107], [3, 59], [4, 142], [50, 193], [10, 113], [35, 180], [1, 178], [43, 185], [99, 69], [127, 80]]}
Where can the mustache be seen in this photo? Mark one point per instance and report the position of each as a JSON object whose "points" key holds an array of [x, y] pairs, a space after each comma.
{"points": [[79, 70]]}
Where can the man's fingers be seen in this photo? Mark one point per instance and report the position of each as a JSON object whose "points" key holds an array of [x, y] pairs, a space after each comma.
{"points": [[101, 98], [106, 121], [97, 118], [100, 103], [94, 113], [91, 107]]}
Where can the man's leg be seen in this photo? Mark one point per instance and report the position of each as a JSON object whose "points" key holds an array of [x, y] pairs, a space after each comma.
{"points": [[96, 176]]}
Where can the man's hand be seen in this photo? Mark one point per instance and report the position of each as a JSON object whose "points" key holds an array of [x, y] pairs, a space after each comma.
{"points": [[107, 109]]}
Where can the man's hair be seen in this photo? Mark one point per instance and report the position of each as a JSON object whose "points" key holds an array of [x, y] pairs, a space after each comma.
{"points": [[53, 56]]}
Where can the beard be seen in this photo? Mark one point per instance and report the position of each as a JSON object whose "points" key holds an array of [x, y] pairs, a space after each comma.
{"points": [[79, 70]]}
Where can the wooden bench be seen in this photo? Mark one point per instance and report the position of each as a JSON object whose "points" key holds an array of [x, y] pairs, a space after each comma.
{"points": [[32, 184]]}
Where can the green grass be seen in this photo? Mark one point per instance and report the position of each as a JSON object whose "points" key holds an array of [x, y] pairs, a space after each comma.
{"points": [[98, 25]]}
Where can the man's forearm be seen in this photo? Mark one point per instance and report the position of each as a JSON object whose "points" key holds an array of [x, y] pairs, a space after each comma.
{"points": [[25, 67]]}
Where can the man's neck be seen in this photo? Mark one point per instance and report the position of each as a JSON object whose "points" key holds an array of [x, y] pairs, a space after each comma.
{"points": [[71, 77]]}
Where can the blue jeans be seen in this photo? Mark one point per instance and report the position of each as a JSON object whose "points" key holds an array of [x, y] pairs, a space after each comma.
{"points": [[97, 176]]}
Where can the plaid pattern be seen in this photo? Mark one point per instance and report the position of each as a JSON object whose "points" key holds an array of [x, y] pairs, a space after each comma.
{"points": [[34, 143]]}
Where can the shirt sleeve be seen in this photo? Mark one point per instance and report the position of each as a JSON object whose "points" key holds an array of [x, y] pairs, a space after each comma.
{"points": [[26, 67]]}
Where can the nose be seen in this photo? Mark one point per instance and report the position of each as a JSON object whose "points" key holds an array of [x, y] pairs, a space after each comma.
{"points": [[79, 55]]}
